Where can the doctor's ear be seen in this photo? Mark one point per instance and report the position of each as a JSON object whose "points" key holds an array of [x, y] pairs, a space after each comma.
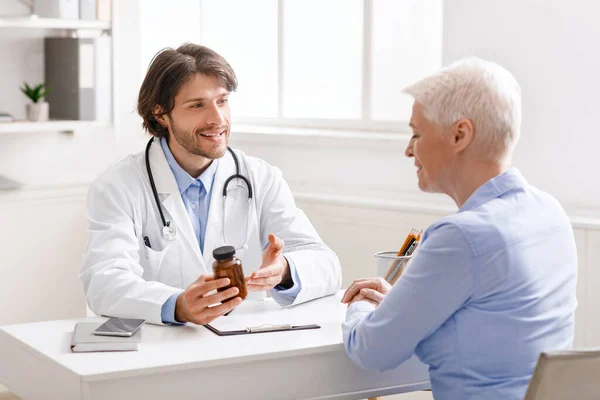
{"points": [[157, 112]]}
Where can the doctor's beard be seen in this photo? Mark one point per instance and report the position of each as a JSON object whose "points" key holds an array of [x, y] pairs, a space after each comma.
{"points": [[198, 145]]}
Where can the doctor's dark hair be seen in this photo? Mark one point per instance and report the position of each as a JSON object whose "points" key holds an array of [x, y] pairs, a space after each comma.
{"points": [[168, 71]]}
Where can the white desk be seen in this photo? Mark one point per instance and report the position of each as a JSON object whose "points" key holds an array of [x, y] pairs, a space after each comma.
{"points": [[190, 362]]}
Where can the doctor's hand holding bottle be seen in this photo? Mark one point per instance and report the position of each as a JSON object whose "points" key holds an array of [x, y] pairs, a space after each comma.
{"points": [[193, 304]]}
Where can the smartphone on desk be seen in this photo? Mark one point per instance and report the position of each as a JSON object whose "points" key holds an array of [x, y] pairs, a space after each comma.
{"points": [[119, 327]]}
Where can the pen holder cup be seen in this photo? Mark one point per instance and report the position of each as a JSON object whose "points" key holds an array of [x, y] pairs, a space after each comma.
{"points": [[389, 261]]}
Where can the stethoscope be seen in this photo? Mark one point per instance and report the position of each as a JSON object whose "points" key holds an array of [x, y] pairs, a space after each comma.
{"points": [[170, 233]]}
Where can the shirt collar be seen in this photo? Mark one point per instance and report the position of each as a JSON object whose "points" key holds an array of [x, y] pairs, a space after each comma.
{"points": [[494, 188], [183, 179]]}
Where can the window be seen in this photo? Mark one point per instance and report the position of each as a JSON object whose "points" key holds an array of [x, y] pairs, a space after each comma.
{"points": [[245, 33], [162, 27], [321, 61], [315, 63]]}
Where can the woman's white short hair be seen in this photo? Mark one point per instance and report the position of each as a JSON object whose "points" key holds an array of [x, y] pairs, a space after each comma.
{"points": [[481, 91]]}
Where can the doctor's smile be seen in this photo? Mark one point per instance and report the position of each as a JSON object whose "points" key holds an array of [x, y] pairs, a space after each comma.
{"points": [[215, 137], [212, 135]]}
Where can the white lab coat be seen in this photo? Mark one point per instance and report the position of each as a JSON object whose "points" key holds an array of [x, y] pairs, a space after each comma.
{"points": [[122, 277]]}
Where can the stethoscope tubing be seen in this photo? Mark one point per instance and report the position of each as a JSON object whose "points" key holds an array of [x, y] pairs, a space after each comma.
{"points": [[167, 224]]}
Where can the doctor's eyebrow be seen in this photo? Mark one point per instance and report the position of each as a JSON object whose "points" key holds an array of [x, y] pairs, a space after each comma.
{"points": [[200, 99]]}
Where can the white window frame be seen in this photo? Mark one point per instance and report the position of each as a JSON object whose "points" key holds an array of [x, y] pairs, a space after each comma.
{"points": [[365, 123]]}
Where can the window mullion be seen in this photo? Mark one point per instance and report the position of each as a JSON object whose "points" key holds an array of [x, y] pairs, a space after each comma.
{"points": [[280, 58], [367, 59], [201, 24]]}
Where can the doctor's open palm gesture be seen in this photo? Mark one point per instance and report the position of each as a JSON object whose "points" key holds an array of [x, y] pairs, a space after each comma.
{"points": [[274, 270]]}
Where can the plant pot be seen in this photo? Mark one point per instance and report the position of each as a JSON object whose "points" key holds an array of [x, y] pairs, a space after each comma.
{"points": [[37, 111]]}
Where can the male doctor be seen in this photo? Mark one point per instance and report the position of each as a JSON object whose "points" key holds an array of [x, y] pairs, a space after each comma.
{"points": [[141, 264]]}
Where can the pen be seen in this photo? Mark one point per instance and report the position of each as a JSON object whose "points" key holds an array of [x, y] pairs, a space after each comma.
{"points": [[410, 238], [406, 242], [284, 327], [266, 327], [408, 247], [147, 242]]}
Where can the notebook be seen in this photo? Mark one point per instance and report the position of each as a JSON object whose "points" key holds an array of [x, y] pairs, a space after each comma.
{"points": [[84, 340]]}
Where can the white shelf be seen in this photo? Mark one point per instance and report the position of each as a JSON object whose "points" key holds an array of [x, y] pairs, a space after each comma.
{"points": [[51, 23], [49, 126]]}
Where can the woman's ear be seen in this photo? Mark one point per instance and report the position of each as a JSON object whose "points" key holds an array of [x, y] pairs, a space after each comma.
{"points": [[462, 134]]}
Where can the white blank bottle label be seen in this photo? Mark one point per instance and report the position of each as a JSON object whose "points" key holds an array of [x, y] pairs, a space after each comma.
{"points": [[86, 66]]}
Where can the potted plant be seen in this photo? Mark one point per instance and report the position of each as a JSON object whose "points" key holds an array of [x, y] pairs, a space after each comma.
{"points": [[38, 110]]}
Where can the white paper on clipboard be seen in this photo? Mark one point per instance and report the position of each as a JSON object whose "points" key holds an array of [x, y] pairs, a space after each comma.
{"points": [[257, 313]]}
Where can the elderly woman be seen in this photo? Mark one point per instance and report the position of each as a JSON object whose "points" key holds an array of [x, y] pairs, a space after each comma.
{"points": [[491, 286]]}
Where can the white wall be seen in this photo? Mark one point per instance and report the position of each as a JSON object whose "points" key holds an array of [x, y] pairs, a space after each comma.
{"points": [[551, 47], [43, 224], [41, 239]]}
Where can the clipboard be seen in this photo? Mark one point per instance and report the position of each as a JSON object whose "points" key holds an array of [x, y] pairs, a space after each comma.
{"points": [[266, 328], [256, 316]]}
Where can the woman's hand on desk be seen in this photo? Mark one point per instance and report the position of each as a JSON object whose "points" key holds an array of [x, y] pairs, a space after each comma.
{"points": [[192, 304], [372, 290]]}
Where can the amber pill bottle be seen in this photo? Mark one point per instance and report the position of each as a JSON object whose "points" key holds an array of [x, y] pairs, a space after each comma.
{"points": [[227, 265]]}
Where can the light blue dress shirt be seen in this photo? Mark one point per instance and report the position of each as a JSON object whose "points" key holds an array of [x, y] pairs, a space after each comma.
{"points": [[488, 289], [195, 192], [196, 195]]}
